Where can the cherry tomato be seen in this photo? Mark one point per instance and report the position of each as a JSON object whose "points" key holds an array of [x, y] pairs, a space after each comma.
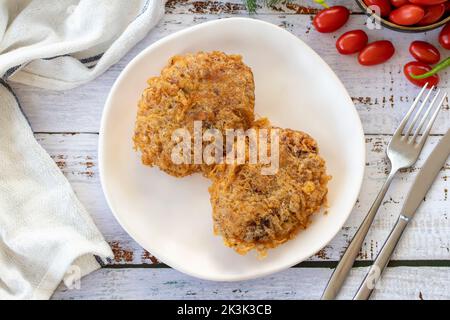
{"points": [[417, 67], [351, 42], [399, 3], [407, 15], [427, 2], [376, 52], [432, 14], [444, 36], [331, 19], [383, 5], [424, 52]]}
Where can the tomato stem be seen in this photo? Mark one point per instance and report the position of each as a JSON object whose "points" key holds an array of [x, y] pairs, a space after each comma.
{"points": [[440, 66], [322, 3]]}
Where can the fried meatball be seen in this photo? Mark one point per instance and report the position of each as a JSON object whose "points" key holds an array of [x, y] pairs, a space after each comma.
{"points": [[256, 211], [213, 87]]}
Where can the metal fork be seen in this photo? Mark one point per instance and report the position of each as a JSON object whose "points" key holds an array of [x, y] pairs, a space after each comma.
{"points": [[402, 151]]}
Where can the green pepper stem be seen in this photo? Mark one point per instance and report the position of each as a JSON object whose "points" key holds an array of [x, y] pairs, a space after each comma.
{"points": [[322, 3], [440, 66]]}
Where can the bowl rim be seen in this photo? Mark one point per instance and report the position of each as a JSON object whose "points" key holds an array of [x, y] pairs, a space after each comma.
{"points": [[160, 255], [396, 27]]}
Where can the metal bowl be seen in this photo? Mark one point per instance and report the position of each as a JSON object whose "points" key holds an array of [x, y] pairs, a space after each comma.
{"points": [[396, 27]]}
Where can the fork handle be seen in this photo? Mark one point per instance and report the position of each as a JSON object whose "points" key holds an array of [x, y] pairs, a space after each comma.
{"points": [[380, 263], [344, 266]]}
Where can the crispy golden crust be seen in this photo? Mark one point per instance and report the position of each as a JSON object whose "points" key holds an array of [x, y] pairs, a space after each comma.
{"points": [[213, 87], [255, 211]]}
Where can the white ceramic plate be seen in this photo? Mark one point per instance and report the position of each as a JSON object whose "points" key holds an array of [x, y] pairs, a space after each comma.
{"points": [[171, 217]]}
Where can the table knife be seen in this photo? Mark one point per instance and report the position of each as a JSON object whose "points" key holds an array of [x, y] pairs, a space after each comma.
{"points": [[416, 194]]}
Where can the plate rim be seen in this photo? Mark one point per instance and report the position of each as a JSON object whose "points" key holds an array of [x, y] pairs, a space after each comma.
{"points": [[157, 253]]}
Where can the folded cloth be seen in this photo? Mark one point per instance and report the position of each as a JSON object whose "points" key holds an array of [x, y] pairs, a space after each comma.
{"points": [[46, 235]]}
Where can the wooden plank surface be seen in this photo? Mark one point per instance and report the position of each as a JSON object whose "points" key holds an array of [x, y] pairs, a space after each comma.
{"points": [[294, 283], [428, 236], [67, 124]]}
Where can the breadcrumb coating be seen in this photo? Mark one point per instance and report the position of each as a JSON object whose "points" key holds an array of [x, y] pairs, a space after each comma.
{"points": [[213, 87]]}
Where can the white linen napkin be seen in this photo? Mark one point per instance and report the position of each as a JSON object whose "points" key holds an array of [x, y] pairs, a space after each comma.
{"points": [[46, 235]]}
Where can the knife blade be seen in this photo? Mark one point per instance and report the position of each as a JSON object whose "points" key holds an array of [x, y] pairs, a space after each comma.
{"points": [[426, 176]]}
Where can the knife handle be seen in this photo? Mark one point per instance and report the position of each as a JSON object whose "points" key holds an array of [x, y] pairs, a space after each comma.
{"points": [[383, 258]]}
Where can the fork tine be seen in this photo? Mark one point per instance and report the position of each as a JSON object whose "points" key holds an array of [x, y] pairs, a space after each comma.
{"points": [[433, 118], [410, 111], [425, 116], [419, 111]]}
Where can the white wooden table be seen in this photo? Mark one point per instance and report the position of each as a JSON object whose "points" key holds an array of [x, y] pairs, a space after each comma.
{"points": [[67, 124]]}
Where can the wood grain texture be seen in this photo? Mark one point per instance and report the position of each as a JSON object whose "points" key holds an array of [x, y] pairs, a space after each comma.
{"points": [[294, 283], [427, 237], [237, 7], [381, 93]]}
